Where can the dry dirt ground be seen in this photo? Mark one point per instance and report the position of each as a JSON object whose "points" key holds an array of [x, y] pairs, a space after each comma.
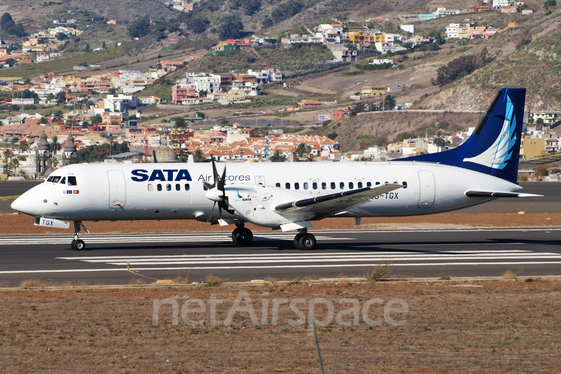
{"points": [[509, 326]]}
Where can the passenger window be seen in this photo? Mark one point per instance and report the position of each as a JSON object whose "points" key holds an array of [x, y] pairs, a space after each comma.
{"points": [[296, 186], [377, 183], [178, 187], [287, 186], [277, 184], [205, 187], [359, 185], [168, 187], [159, 187], [150, 187], [333, 185], [305, 185], [351, 185], [72, 181], [404, 185], [342, 185], [323, 186], [187, 187], [63, 180], [315, 185], [368, 184]]}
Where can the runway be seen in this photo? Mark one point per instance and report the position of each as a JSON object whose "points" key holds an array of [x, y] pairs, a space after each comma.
{"points": [[123, 259]]}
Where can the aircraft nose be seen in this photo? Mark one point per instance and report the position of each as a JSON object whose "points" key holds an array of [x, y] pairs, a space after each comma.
{"points": [[24, 204]]}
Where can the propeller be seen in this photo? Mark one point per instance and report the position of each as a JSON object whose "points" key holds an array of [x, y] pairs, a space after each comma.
{"points": [[217, 191]]}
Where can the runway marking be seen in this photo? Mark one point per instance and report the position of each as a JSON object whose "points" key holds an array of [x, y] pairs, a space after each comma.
{"points": [[320, 260]]}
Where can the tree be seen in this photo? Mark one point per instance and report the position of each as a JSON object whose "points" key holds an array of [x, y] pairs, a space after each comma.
{"points": [[461, 67], [55, 145], [11, 62], [389, 102], [61, 97], [277, 157], [198, 156], [303, 150], [139, 28], [9, 26], [231, 28], [267, 22], [201, 115], [97, 119], [549, 3], [57, 115], [180, 124], [197, 25]]}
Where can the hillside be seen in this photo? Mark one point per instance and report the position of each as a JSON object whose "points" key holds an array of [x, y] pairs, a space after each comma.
{"points": [[526, 55]]}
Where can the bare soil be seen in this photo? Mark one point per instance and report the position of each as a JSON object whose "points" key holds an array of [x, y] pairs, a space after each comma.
{"points": [[509, 326]]}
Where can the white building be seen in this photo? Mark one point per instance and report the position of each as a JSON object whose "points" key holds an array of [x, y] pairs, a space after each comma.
{"points": [[501, 3], [387, 47], [408, 28], [203, 81], [452, 31]]}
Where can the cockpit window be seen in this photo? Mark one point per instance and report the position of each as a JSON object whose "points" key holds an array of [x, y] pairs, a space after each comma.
{"points": [[54, 179], [63, 180], [72, 181]]}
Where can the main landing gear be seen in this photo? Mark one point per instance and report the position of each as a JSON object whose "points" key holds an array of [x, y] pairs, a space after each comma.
{"points": [[241, 235], [304, 240], [78, 244]]}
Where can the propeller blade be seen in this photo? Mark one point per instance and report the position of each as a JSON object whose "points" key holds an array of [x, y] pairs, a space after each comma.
{"points": [[214, 172], [222, 182]]}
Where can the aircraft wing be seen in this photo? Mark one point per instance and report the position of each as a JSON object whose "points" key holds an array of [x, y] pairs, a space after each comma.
{"points": [[327, 205], [474, 193]]}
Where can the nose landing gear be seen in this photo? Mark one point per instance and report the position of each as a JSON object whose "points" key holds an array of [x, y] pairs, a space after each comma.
{"points": [[241, 235], [78, 244]]}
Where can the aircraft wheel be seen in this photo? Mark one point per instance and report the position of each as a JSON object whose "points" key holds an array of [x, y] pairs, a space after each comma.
{"points": [[78, 245], [235, 235], [243, 237], [305, 241]]}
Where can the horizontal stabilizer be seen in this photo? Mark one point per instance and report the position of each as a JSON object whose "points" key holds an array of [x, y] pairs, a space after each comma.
{"points": [[473, 193]]}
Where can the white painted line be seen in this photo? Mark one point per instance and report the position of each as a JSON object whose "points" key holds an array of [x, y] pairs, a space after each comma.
{"points": [[284, 255], [276, 267]]}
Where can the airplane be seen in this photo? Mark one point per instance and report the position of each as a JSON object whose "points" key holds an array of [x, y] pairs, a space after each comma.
{"points": [[289, 196]]}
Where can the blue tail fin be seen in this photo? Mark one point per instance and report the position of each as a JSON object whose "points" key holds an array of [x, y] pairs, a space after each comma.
{"points": [[494, 146]]}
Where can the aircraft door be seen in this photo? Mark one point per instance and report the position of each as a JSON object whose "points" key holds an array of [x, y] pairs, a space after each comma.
{"points": [[260, 204], [117, 189], [427, 189]]}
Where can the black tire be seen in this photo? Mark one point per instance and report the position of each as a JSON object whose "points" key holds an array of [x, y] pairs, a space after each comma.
{"points": [[244, 237], [78, 245], [235, 235], [305, 241]]}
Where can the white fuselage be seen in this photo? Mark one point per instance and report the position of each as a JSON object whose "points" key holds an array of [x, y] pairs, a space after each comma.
{"points": [[176, 191]]}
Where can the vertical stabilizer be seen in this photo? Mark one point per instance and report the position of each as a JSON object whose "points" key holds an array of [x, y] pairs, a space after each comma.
{"points": [[494, 147]]}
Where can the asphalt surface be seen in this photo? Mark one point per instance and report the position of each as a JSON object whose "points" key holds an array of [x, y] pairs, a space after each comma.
{"points": [[122, 259]]}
